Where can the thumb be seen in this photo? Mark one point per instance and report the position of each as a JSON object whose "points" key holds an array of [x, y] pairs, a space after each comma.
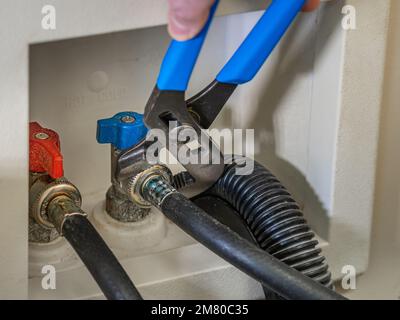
{"points": [[187, 17], [311, 5]]}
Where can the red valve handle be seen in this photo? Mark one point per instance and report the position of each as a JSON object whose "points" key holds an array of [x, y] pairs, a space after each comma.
{"points": [[44, 151]]}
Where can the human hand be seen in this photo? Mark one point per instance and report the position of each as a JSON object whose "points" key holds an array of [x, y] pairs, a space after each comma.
{"points": [[187, 17]]}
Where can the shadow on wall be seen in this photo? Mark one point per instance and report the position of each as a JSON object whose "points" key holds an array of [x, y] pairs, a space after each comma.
{"points": [[285, 72]]}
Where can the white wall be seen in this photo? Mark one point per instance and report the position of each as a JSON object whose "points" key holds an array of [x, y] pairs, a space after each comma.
{"points": [[382, 279]]}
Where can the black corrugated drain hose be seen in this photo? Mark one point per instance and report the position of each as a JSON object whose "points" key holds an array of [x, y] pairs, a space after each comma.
{"points": [[229, 245], [274, 218]]}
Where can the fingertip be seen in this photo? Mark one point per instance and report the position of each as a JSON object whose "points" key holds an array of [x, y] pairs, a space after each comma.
{"points": [[187, 18], [179, 36], [311, 5], [178, 30]]}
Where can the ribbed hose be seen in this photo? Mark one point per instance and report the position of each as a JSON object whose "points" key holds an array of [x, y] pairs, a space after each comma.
{"points": [[274, 218], [229, 245]]}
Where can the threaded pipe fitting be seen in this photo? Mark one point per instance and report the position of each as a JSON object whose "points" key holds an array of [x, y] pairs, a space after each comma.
{"points": [[43, 191], [121, 207], [148, 186], [60, 208], [155, 189]]}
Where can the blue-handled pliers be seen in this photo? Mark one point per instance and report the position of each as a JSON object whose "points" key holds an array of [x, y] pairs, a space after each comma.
{"points": [[167, 101]]}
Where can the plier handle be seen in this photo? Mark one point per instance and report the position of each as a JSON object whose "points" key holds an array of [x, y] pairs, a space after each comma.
{"points": [[167, 101]]}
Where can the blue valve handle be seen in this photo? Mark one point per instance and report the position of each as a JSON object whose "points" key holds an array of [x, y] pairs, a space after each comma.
{"points": [[124, 130], [181, 56]]}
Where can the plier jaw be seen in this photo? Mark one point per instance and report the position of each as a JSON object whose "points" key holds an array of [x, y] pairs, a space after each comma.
{"points": [[167, 102], [165, 106], [208, 103], [199, 111], [167, 110]]}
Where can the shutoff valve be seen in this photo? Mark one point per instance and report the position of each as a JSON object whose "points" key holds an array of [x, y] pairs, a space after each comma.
{"points": [[44, 153], [48, 186], [124, 130]]}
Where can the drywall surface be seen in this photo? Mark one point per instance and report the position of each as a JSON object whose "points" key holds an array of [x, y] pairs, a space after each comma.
{"points": [[382, 278]]}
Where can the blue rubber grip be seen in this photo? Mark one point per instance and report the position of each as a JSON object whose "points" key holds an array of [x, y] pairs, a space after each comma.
{"points": [[180, 59], [261, 41]]}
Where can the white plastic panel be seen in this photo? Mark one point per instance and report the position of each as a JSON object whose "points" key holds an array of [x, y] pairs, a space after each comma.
{"points": [[314, 107], [21, 27]]}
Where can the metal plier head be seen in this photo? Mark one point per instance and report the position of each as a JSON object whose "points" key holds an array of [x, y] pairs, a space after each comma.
{"points": [[167, 104]]}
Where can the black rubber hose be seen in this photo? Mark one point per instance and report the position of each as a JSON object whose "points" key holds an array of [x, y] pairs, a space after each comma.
{"points": [[241, 253], [98, 258], [226, 214], [274, 219]]}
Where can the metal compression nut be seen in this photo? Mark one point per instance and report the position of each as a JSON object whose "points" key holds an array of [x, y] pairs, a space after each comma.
{"points": [[42, 193], [135, 184]]}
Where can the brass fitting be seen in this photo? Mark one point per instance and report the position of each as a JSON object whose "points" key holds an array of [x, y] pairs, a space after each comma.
{"points": [[60, 208], [51, 201], [136, 183]]}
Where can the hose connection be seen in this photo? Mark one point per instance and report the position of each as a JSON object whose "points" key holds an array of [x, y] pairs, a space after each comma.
{"points": [[150, 186], [156, 189], [125, 132], [52, 198], [44, 194]]}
